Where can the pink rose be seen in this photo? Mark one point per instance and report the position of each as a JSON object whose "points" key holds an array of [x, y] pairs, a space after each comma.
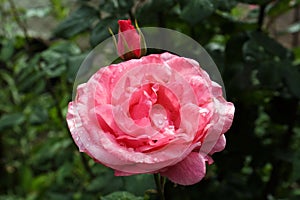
{"points": [[157, 114], [129, 41]]}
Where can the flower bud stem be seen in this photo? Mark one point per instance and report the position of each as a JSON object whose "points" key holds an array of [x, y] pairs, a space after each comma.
{"points": [[160, 185]]}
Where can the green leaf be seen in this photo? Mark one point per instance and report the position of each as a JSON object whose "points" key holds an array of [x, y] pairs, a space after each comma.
{"points": [[9, 79], [38, 115], [10, 197], [296, 52], [73, 65], [280, 7], [54, 63], [78, 21], [100, 182], [10, 120], [269, 74], [7, 50], [292, 78], [42, 182], [197, 10], [65, 47], [100, 31], [271, 45], [30, 82], [121, 196], [294, 28], [138, 184], [116, 7], [150, 12], [225, 5], [26, 178], [259, 2]]}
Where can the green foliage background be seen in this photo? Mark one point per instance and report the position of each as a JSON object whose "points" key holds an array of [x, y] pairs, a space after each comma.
{"points": [[38, 159]]}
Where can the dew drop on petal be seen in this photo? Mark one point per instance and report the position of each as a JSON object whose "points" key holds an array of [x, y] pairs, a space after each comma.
{"points": [[203, 111], [158, 116], [130, 149]]}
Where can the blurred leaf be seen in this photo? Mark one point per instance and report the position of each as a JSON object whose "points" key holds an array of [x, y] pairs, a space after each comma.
{"points": [[269, 74], [268, 57], [100, 31], [294, 28], [11, 85], [7, 50], [156, 12], [59, 9], [296, 161], [53, 152], [64, 171], [292, 78], [55, 70], [138, 184], [280, 7], [121, 196], [65, 48], [10, 120], [73, 66], [38, 115], [158, 5], [259, 2], [59, 196], [296, 52], [29, 82], [26, 178], [10, 197], [271, 45], [116, 7], [100, 182], [197, 10], [225, 5], [42, 182], [79, 21]]}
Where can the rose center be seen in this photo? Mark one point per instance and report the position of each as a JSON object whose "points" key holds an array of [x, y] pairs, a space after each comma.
{"points": [[156, 104], [158, 116]]}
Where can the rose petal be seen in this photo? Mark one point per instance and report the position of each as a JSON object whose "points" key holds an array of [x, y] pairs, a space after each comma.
{"points": [[220, 145], [220, 123], [187, 172], [107, 96]]}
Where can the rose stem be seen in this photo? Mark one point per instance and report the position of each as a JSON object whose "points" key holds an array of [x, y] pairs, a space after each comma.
{"points": [[160, 185]]}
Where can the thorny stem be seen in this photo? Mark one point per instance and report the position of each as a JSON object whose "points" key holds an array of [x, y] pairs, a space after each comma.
{"points": [[160, 185]]}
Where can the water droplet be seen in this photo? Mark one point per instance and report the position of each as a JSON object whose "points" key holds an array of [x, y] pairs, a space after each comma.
{"points": [[155, 159], [203, 111], [148, 103], [130, 149]]}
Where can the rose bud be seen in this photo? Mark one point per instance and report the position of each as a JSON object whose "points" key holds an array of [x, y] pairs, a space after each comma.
{"points": [[131, 42]]}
